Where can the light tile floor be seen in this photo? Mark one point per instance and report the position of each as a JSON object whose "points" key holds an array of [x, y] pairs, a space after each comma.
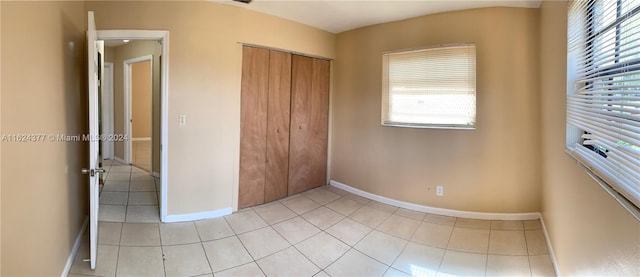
{"points": [[322, 232], [129, 194]]}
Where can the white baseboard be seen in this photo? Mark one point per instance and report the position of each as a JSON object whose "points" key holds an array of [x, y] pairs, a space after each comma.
{"points": [[120, 160], [141, 139], [433, 210], [550, 248], [197, 216], [74, 250]]}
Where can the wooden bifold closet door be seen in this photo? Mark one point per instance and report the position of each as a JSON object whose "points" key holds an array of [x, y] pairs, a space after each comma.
{"points": [[284, 120], [309, 123], [264, 132]]}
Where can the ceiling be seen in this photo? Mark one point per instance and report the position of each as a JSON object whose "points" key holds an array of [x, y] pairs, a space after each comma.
{"points": [[337, 16]]}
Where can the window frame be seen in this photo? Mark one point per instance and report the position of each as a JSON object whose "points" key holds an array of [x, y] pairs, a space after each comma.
{"points": [[386, 105], [593, 168]]}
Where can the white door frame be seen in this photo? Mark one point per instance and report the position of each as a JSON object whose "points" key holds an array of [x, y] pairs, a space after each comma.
{"points": [[107, 111], [163, 38], [128, 116]]}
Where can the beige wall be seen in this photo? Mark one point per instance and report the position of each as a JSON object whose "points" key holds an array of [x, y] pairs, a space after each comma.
{"points": [[141, 90], [44, 196], [204, 84], [590, 232], [495, 168], [108, 54], [135, 49]]}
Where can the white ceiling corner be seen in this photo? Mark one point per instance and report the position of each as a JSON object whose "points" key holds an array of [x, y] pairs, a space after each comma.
{"points": [[337, 16]]}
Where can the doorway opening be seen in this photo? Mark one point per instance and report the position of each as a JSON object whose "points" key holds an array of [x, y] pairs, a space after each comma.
{"points": [[140, 111], [137, 115]]}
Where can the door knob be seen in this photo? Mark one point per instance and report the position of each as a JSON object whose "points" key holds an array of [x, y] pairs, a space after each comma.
{"points": [[92, 172]]}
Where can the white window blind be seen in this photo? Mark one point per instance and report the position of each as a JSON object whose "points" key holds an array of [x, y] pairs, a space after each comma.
{"points": [[430, 88], [603, 91]]}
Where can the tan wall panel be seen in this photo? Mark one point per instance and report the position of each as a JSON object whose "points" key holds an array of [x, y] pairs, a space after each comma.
{"points": [[495, 168], [141, 91], [44, 196], [590, 232], [108, 54], [205, 72]]}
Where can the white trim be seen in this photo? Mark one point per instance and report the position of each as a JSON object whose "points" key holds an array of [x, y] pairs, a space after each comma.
{"points": [[163, 37], [74, 250], [197, 216], [126, 71], [433, 210], [550, 247], [107, 110], [141, 139], [132, 34], [283, 50], [164, 123], [456, 213], [330, 124]]}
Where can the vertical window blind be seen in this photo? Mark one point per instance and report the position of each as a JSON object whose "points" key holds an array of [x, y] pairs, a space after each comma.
{"points": [[603, 91], [430, 88]]}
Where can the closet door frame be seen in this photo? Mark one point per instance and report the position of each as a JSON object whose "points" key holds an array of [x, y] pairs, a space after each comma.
{"points": [[284, 124]]}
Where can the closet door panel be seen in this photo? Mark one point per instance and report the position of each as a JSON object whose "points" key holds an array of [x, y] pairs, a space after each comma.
{"points": [[318, 124], [277, 160], [301, 87], [253, 131]]}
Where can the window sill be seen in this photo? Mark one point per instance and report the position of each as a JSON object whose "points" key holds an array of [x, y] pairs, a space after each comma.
{"points": [[626, 204], [428, 126]]}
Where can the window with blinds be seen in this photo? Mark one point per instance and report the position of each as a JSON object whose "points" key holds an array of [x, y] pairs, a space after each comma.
{"points": [[430, 88], [603, 91]]}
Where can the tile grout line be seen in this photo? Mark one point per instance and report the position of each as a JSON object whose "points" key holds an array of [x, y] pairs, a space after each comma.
{"points": [[243, 246], [526, 242], [206, 256], [404, 248], [327, 233], [202, 245]]}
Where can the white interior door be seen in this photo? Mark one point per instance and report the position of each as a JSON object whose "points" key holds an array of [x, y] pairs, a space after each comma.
{"points": [[94, 171]]}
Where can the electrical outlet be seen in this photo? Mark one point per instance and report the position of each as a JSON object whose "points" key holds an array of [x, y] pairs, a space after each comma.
{"points": [[439, 191]]}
